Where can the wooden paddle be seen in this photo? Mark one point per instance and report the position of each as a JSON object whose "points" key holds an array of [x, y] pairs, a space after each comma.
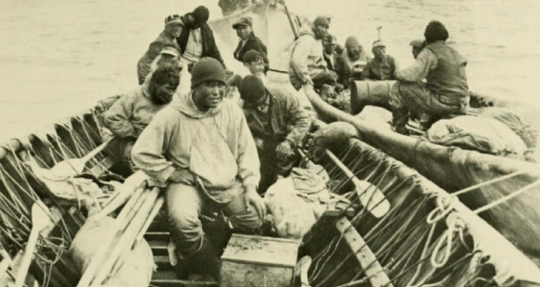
{"points": [[75, 166], [370, 196], [40, 220]]}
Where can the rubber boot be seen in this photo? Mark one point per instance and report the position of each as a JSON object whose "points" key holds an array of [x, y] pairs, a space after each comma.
{"points": [[182, 268], [206, 260], [400, 118]]}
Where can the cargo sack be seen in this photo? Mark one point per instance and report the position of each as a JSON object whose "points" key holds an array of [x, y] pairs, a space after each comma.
{"points": [[527, 133], [477, 133], [297, 202], [134, 268]]}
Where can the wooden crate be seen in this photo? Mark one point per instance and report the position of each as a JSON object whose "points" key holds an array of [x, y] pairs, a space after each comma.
{"points": [[258, 261]]}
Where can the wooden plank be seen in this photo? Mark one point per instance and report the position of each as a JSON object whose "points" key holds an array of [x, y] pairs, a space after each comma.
{"points": [[374, 272]]}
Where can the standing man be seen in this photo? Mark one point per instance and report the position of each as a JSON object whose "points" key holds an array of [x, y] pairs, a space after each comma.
{"points": [[248, 41], [167, 37], [277, 123], [381, 68], [307, 66], [196, 38], [446, 90], [199, 149], [132, 112]]}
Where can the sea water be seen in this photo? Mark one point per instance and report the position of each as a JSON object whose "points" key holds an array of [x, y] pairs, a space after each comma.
{"points": [[59, 57]]}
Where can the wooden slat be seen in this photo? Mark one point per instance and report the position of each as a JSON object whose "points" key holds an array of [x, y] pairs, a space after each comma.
{"points": [[169, 279], [373, 269]]}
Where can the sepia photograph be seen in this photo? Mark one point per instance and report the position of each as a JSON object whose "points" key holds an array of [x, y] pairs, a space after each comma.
{"points": [[270, 143]]}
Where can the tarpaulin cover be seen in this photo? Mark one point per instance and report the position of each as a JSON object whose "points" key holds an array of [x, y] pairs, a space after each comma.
{"points": [[477, 133]]}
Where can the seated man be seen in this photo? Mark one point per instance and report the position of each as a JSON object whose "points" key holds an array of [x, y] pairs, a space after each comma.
{"points": [[277, 123], [200, 150], [307, 66], [196, 39], [131, 113], [254, 61], [169, 56], [351, 63], [168, 36], [330, 54], [446, 90], [417, 46], [248, 41], [381, 68]]}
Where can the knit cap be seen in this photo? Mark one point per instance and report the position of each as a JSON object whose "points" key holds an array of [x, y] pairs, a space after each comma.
{"points": [[252, 89], [323, 21], [378, 43], [207, 69], [352, 41], [201, 14], [252, 56]]}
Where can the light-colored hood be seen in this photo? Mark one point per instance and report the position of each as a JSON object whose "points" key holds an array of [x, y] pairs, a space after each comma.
{"points": [[183, 102]]}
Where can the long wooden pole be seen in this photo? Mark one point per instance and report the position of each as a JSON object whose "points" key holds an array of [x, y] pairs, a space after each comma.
{"points": [[118, 225], [128, 237]]}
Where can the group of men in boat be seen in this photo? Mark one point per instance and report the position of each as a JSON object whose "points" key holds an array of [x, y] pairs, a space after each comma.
{"points": [[208, 151]]}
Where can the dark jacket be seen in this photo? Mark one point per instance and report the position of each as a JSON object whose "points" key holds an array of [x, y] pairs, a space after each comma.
{"points": [[380, 70], [143, 66], [209, 47], [252, 43], [331, 64], [449, 77], [287, 119]]}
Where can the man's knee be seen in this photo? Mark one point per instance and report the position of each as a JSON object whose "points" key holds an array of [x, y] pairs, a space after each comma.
{"points": [[242, 219], [183, 207]]}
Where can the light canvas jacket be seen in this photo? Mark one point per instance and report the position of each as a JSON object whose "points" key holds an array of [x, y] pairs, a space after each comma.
{"points": [[182, 137]]}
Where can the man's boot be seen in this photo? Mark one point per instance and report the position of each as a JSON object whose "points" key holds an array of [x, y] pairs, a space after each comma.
{"points": [[206, 260], [400, 118]]}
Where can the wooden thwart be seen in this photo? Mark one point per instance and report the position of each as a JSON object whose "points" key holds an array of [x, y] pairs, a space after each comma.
{"points": [[374, 272]]}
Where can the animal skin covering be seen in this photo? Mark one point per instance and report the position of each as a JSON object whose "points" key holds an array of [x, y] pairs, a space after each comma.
{"points": [[296, 202]]}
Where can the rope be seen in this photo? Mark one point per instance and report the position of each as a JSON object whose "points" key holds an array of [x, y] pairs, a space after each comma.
{"points": [[465, 190], [506, 198]]}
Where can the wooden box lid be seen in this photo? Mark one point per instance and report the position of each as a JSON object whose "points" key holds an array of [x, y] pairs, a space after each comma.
{"points": [[260, 250]]}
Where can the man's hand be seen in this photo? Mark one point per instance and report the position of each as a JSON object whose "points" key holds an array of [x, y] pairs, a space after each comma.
{"points": [[182, 176], [251, 197], [307, 81], [284, 150]]}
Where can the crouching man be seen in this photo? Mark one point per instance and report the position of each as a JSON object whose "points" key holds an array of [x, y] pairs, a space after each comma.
{"points": [[200, 150], [131, 113], [278, 124]]}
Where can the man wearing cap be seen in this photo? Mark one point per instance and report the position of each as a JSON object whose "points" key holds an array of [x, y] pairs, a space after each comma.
{"points": [[168, 36], [196, 38], [132, 112], [445, 91], [381, 68], [248, 41], [351, 63], [254, 61], [169, 56], [417, 46], [200, 150], [278, 124], [307, 65], [329, 53]]}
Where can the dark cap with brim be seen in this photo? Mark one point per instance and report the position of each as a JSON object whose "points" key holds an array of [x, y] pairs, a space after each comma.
{"points": [[243, 21], [251, 56]]}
